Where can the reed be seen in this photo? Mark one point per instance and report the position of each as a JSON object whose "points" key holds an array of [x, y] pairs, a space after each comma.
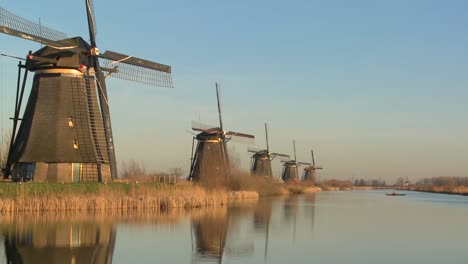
{"points": [[94, 196]]}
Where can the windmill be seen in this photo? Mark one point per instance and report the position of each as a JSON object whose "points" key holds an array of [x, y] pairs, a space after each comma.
{"points": [[310, 171], [65, 133], [290, 168], [210, 160], [261, 159]]}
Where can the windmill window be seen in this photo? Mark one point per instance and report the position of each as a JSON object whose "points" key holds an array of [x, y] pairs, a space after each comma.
{"points": [[70, 121], [75, 143]]}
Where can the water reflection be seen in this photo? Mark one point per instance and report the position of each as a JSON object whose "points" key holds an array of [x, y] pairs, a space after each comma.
{"points": [[222, 232], [63, 242], [210, 233], [216, 234]]}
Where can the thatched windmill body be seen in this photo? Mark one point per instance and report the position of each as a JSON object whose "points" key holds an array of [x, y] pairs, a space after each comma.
{"points": [[310, 172], [65, 133], [290, 168], [210, 161], [261, 159]]}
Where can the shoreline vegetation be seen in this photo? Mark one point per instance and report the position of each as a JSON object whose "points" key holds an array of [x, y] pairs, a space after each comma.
{"points": [[442, 184], [134, 195], [454, 190]]}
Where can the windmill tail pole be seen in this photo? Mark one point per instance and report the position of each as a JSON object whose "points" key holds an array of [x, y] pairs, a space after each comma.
{"points": [[191, 159], [19, 100]]}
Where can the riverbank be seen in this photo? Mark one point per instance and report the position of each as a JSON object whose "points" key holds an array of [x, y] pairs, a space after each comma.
{"points": [[23, 197], [455, 190]]}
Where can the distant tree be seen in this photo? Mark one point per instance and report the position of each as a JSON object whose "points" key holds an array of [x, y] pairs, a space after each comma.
{"points": [[400, 181], [177, 172], [132, 169], [375, 183], [362, 182]]}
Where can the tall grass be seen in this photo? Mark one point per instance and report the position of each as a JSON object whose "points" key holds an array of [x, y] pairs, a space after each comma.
{"points": [[94, 196]]}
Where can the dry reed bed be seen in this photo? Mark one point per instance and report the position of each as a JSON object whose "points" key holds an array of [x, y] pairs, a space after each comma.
{"points": [[459, 190], [138, 197]]}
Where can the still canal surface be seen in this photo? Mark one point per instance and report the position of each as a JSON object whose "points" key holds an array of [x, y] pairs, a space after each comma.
{"points": [[329, 227]]}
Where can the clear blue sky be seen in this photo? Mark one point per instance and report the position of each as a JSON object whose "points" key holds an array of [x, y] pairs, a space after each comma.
{"points": [[377, 88]]}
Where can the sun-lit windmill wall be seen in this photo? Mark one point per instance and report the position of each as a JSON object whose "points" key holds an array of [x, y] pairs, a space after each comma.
{"points": [[310, 174], [210, 162], [290, 171], [261, 165], [61, 136]]}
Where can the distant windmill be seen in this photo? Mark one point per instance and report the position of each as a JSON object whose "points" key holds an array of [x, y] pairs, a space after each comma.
{"points": [[210, 160], [65, 133], [290, 168], [310, 173], [261, 159]]}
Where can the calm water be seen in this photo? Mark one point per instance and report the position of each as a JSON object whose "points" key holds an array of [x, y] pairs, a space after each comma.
{"points": [[329, 227]]}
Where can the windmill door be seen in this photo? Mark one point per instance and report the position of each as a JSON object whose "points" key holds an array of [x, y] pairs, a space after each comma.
{"points": [[76, 172]]}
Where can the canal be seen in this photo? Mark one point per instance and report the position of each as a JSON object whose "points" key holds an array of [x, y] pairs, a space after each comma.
{"points": [[327, 227]]}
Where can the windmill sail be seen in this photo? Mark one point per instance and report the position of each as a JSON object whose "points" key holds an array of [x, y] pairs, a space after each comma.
{"points": [[197, 126], [135, 69], [17, 26]]}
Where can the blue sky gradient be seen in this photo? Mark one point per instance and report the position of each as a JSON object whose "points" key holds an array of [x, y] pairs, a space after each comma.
{"points": [[377, 88]]}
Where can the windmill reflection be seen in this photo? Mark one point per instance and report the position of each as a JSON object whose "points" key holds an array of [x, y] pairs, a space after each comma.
{"points": [[309, 208], [73, 243], [262, 218], [290, 210], [219, 233], [210, 234]]}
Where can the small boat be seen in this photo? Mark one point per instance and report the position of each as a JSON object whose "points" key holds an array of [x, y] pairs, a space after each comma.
{"points": [[395, 194]]}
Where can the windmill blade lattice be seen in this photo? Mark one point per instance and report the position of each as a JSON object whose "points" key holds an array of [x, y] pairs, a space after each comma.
{"points": [[136, 69], [242, 140], [237, 134], [90, 6], [240, 137], [281, 155], [197, 126], [17, 26], [253, 149]]}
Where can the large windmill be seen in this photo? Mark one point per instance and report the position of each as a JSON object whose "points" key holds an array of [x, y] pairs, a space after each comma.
{"points": [[65, 133], [290, 168], [210, 160], [261, 159], [310, 173]]}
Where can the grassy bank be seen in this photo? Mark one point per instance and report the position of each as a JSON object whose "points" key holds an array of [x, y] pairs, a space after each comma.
{"points": [[16, 197], [94, 196], [458, 190]]}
